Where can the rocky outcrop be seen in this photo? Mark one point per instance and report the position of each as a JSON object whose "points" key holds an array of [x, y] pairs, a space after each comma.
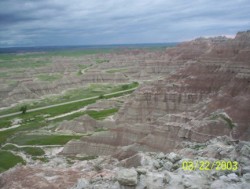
{"points": [[156, 170], [35, 90], [127, 177], [81, 124], [206, 98], [202, 87]]}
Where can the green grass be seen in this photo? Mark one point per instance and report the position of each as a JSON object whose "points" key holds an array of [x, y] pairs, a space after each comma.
{"points": [[39, 59], [8, 160], [42, 159], [83, 66], [5, 122], [54, 111], [101, 129], [102, 114], [75, 94], [39, 121], [33, 151], [117, 95], [47, 77], [42, 139], [4, 135], [99, 61], [4, 75], [16, 62], [10, 147], [199, 146], [117, 70], [229, 122], [78, 53], [63, 53]]}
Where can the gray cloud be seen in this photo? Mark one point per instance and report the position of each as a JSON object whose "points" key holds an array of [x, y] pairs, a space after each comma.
{"points": [[81, 22]]}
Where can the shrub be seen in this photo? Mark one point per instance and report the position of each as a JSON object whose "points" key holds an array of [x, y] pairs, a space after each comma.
{"points": [[23, 109], [101, 96], [124, 87]]}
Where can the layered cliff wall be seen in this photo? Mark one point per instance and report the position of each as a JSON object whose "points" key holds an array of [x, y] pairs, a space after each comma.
{"points": [[207, 96]]}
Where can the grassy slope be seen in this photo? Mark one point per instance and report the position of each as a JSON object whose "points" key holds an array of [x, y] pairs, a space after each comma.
{"points": [[8, 160], [101, 114], [33, 151], [42, 139], [47, 77]]}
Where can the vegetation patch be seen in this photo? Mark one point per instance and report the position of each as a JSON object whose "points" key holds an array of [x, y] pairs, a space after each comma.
{"points": [[42, 159], [101, 129], [8, 160], [83, 66], [225, 118], [20, 62], [198, 146], [99, 61], [229, 122], [36, 120], [91, 91], [5, 122], [78, 52], [117, 70], [101, 114], [33, 151], [4, 75], [43, 139], [85, 158], [49, 77]]}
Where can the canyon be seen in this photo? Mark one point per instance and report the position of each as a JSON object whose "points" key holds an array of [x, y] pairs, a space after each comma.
{"points": [[192, 103]]}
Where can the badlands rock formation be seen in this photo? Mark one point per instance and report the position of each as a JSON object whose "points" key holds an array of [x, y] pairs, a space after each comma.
{"points": [[81, 124], [34, 89], [207, 96]]}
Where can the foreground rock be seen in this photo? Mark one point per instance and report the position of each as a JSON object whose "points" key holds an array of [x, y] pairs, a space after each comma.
{"points": [[127, 177], [153, 170]]}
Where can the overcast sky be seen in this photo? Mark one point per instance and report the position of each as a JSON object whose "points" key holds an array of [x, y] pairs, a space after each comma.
{"points": [[84, 22]]}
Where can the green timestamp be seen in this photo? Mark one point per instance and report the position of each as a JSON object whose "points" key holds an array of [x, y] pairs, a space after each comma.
{"points": [[219, 165]]}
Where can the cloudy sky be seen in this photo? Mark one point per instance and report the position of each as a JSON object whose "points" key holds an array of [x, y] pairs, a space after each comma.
{"points": [[84, 22]]}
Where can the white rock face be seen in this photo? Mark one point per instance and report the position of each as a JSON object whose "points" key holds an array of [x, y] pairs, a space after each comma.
{"points": [[247, 177], [82, 183], [173, 157], [127, 177], [245, 150]]}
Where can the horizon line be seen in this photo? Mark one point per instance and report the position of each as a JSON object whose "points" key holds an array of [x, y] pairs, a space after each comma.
{"points": [[90, 45]]}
